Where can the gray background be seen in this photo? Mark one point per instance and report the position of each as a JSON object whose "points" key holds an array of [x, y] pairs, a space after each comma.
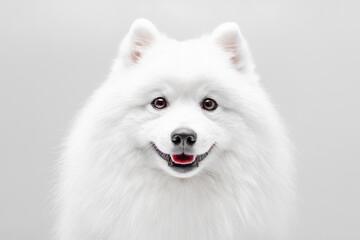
{"points": [[53, 54]]}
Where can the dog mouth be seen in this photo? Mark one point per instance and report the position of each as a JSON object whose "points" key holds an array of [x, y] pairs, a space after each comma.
{"points": [[182, 162]]}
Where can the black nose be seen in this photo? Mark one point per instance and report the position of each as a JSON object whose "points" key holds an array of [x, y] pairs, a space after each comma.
{"points": [[184, 137]]}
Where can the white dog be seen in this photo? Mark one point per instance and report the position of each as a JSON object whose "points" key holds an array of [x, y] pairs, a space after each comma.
{"points": [[179, 143]]}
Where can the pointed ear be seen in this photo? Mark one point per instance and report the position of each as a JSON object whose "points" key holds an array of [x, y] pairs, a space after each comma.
{"points": [[229, 38], [141, 37]]}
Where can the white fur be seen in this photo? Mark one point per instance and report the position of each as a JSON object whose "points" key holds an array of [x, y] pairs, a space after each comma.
{"points": [[113, 184]]}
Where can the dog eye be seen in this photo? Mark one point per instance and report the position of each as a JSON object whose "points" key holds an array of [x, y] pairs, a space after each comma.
{"points": [[209, 104], [159, 103]]}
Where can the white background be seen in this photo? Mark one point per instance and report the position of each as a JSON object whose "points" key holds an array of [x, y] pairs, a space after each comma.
{"points": [[53, 54]]}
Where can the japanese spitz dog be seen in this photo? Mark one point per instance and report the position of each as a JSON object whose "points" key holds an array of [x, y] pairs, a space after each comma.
{"points": [[179, 143]]}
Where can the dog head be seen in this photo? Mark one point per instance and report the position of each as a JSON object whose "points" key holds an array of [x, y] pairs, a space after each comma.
{"points": [[186, 104]]}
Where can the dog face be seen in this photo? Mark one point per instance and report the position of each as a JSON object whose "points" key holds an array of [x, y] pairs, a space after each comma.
{"points": [[183, 125], [186, 102]]}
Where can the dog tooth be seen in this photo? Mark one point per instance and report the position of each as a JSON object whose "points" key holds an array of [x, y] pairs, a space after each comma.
{"points": [[170, 163]]}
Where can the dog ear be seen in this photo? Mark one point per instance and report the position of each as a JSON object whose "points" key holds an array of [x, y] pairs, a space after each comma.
{"points": [[141, 37], [229, 38]]}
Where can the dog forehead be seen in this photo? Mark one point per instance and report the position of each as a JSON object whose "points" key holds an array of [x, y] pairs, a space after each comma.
{"points": [[186, 59], [192, 68], [187, 83]]}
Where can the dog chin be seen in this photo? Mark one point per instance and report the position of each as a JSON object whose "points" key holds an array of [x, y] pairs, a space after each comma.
{"points": [[178, 174], [181, 165]]}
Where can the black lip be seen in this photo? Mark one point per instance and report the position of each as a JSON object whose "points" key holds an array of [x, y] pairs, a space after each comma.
{"points": [[181, 167]]}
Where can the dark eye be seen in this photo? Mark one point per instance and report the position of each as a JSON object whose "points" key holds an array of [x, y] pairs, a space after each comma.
{"points": [[159, 103], [209, 104]]}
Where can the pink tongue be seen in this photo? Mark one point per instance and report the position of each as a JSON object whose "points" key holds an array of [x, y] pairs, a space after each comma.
{"points": [[182, 158]]}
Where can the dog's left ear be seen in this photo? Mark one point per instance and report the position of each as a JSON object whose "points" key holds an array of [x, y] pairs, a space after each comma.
{"points": [[229, 38], [141, 37]]}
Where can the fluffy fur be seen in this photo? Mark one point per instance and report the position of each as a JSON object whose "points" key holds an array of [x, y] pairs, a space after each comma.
{"points": [[113, 183]]}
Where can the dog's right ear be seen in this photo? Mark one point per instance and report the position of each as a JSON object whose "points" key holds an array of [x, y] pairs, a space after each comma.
{"points": [[142, 35]]}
